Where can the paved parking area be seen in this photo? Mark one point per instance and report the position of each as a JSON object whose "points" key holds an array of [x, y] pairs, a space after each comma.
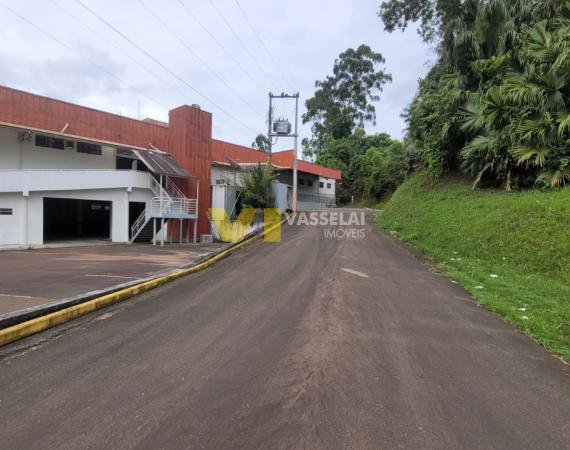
{"points": [[34, 277]]}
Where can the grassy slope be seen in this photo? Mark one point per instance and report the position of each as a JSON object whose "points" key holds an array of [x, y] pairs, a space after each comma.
{"points": [[523, 238]]}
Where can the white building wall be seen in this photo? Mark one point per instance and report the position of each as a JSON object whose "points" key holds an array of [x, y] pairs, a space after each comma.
{"points": [[326, 190], [28, 174], [25, 155], [221, 175], [10, 149], [12, 228], [55, 180], [119, 199]]}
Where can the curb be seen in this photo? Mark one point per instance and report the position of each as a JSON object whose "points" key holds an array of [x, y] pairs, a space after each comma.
{"points": [[34, 320]]}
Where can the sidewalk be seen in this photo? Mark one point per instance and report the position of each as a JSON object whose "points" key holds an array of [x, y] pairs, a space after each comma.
{"points": [[35, 277]]}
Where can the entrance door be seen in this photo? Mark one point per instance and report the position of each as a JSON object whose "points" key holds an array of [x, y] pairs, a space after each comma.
{"points": [[71, 219]]}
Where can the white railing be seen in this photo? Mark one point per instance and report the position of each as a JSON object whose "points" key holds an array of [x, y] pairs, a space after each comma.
{"points": [[173, 190], [139, 224], [173, 206], [157, 189], [169, 202]]}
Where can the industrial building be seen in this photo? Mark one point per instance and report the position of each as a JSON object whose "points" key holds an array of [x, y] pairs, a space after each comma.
{"points": [[70, 173]]}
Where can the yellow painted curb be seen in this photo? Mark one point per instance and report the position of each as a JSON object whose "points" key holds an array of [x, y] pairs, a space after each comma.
{"points": [[42, 323]]}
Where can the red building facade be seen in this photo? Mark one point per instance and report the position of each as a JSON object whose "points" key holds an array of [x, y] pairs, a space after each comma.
{"points": [[187, 137]]}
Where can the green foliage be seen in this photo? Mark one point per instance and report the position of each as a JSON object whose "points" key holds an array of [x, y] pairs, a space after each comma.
{"points": [[344, 100], [256, 189], [261, 143], [510, 250], [398, 14], [384, 169], [371, 164], [496, 104]]}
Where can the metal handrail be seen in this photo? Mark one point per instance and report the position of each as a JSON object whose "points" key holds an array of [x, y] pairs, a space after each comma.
{"points": [[169, 201], [173, 205], [138, 225], [173, 190], [157, 189]]}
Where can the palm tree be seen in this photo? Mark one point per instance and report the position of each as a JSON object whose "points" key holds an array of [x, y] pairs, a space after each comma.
{"points": [[520, 127]]}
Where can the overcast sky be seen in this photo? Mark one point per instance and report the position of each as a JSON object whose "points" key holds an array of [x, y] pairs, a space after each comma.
{"points": [[229, 74]]}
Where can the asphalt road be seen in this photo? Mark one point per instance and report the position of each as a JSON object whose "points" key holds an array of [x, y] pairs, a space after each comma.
{"points": [[36, 277], [313, 343]]}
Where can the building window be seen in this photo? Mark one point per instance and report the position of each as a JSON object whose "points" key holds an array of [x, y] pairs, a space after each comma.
{"points": [[90, 149], [301, 182], [49, 142], [310, 183], [321, 184], [328, 185], [6, 211]]}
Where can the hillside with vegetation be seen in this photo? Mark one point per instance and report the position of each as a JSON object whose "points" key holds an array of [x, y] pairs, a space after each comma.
{"points": [[511, 251], [486, 156], [495, 106], [489, 129]]}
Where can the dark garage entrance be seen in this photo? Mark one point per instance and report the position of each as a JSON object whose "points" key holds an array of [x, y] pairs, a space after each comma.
{"points": [[70, 219], [135, 210]]}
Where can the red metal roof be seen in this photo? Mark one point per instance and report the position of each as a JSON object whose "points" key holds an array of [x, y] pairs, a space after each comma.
{"points": [[224, 152], [285, 159]]}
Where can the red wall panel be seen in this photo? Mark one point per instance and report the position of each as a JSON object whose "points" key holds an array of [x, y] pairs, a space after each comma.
{"points": [[221, 151], [32, 110], [190, 144], [187, 137]]}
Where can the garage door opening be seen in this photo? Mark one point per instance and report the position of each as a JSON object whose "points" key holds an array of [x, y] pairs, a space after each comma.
{"points": [[70, 219]]}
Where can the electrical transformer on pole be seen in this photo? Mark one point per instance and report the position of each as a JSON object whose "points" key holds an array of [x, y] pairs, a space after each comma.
{"points": [[282, 128]]}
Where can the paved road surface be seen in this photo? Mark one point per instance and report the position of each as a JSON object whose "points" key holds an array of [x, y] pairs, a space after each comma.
{"points": [[313, 343], [36, 277]]}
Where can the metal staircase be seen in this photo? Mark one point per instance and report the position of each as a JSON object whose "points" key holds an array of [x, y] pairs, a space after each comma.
{"points": [[168, 203]]}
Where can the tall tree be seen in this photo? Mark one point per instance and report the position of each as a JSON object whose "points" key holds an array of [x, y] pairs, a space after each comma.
{"points": [[497, 102], [345, 100], [430, 14], [261, 143]]}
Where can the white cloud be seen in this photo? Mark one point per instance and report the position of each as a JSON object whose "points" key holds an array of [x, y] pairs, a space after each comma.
{"points": [[304, 38]]}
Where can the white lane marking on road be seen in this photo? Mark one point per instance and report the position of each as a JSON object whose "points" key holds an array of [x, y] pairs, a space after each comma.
{"points": [[354, 272], [111, 276], [105, 316], [25, 296]]}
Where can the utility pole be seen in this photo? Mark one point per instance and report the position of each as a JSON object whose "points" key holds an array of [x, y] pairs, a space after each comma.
{"points": [[270, 121], [296, 139], [282, 128]]}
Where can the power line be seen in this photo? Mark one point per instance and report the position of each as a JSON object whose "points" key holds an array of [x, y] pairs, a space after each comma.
{"points": [[242, 44], [116, 47], [218, 43], [258, 36], [71, 49], [163, 66], [195, 55], [124, 53]]}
